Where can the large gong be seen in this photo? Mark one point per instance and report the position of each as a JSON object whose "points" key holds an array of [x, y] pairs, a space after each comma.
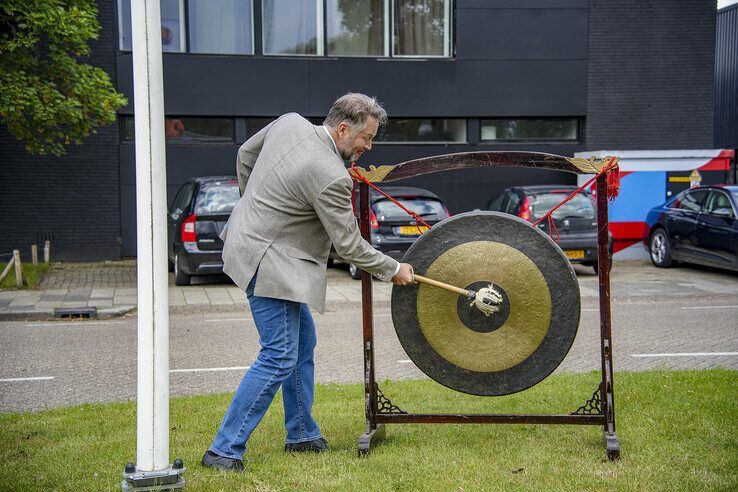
{"points": [[454, 342]]}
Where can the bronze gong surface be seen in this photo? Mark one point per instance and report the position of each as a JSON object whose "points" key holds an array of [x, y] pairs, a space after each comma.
{"points": [[456, 344]]}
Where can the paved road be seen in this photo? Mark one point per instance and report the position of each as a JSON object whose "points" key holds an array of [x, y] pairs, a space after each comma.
{"points": [[658, 317]]}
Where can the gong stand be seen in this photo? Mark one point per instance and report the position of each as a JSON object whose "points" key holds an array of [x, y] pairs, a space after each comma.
{"points": [[597, 410]]}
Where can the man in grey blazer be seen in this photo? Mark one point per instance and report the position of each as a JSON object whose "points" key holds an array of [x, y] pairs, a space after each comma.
{"points": [[295, 203]]}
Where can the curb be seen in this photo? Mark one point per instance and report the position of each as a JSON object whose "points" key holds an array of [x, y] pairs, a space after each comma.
{"points": [[105, 313], [120, 311]]}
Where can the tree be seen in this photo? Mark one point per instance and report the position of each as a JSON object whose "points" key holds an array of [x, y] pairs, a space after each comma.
{"points": [[49, 98]]}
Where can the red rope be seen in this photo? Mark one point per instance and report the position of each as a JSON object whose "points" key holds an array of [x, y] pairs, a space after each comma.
{"points": [[613, 187], [357, 176]]}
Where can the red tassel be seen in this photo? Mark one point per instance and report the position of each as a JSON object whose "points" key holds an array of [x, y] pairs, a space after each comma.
{"points": [[613, 180]]}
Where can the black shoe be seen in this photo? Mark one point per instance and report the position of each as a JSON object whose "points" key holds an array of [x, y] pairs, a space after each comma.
{"points": [[212, 460], [316, 445]]}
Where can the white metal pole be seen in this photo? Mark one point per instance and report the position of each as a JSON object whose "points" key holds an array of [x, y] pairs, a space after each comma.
{"points": [[152, 417]]}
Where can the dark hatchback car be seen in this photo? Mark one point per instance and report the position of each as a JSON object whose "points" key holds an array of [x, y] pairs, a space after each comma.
{"points": [[576, 220], [197, 215], [393, 230], [696, 226]]}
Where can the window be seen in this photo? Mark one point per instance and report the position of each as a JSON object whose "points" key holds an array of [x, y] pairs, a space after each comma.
{"points": [[212, 26], [530, 130], [719, 203], [379, 28], [421, 27], [292, 27], [217, 197], [691, 201], [355, 28], [189, 129], [430, 130], [222, 26], [579, 207], [411, 28], [386, 210], [172, 28]]}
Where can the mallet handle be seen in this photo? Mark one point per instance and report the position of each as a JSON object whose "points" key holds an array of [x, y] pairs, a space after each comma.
{"points": [[436, 283]]}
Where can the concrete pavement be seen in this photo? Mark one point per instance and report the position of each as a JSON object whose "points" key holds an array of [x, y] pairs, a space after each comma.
{"points": [[111, 289]]}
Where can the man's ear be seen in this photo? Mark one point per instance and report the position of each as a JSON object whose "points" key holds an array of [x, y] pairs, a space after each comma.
{"points": [[343, 129]]}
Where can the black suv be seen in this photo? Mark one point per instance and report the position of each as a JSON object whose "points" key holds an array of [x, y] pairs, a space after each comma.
{"points": [[576, 220], [393, 230], [197, 215]]}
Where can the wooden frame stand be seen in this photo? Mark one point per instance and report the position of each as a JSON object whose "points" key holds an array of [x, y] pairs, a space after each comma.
{"points": [[599, 409]]}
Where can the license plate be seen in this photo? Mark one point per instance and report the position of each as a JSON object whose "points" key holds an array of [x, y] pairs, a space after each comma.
{"points": [[575, 254], [412, 230]]}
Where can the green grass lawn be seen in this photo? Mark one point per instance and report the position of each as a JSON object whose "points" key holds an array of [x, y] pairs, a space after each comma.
{"points": [[677, 432], [31, 274]]}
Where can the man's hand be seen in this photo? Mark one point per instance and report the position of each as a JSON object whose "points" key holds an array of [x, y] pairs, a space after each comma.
{"points": [[404, 276]]}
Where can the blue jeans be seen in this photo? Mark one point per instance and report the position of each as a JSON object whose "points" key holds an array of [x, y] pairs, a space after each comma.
{"points": [[287, 338]]}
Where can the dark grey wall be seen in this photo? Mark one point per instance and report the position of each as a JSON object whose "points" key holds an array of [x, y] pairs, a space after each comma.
{"points": [[513, 59], [726, 79], [650, 74], [73, 199]]}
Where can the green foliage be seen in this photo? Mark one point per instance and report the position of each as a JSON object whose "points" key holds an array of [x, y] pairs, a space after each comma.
{"points": [[48, 98]]}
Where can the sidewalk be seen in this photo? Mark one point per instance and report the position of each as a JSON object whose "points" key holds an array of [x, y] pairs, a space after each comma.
{"points": [[111, 288]]}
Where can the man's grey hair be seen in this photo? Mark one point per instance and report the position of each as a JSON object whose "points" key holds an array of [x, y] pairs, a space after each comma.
{"points": [[354, 108]]}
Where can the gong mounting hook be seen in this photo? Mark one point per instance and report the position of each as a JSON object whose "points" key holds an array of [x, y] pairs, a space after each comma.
{"points": [[486, 299]]}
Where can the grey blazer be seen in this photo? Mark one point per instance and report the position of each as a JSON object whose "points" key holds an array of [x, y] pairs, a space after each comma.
{"points": [[295, 201]]}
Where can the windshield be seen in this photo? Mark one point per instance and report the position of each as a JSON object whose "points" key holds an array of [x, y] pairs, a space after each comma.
{"points": [[579, 207], [217, 197], [386, 210]]}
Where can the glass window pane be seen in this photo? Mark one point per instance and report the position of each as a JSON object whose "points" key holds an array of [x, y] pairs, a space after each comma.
{"points": [[692, 201], [419, 27], [217, 197], [355, 27], [221, 26], [171, 32], [183, 129], [290, 27], [553, 129], [387, 210], [253, 125], [423, 130], [579, 207], [171, 29]]}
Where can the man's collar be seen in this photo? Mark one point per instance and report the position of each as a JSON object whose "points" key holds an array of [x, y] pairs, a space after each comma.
{"points": [[331, 137]]}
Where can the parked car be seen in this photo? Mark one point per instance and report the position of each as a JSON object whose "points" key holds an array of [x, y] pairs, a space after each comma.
{"points": [[696, 226], [576, 220], [197, 215], [393, 230]]}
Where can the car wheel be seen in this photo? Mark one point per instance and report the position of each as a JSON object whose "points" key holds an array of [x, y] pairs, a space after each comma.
{"points": [[659, 249], [354, 271], [180, 277]]}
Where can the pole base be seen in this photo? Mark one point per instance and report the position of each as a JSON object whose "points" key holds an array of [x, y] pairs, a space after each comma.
{"points": [[612, 446], [168, 479], [370, 439]]}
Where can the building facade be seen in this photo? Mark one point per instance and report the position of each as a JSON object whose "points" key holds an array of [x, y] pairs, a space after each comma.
{"points": [[556, 76]]}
